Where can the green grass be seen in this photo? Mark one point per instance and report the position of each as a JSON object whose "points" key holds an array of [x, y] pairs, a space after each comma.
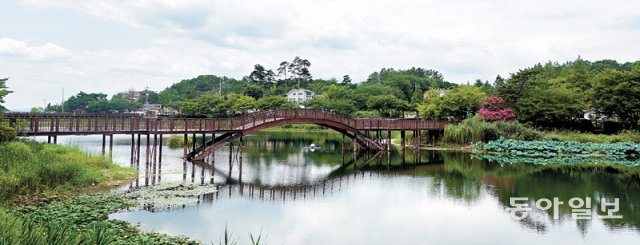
{"points": [[624, 136], [475, 129], [29, 168]]}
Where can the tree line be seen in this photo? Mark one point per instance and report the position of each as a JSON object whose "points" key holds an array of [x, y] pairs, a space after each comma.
{"points": [[542, 95]]}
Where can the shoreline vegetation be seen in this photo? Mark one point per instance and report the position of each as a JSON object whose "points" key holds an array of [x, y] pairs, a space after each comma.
{"points": [[46, 194]]}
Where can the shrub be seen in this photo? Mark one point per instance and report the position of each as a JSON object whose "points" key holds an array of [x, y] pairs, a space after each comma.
{"points": [[177, 141], [475, 129], [493, 109], [7, 133]]}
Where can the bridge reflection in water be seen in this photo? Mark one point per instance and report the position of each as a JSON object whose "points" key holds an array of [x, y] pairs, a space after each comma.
{"points": [[231, 182]]}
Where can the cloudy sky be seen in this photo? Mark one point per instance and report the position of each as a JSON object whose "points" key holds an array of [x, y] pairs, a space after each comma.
{"points": [[114, 45]]}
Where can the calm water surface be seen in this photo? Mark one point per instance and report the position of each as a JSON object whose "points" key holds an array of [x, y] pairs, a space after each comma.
{"points": [[294, 196]]}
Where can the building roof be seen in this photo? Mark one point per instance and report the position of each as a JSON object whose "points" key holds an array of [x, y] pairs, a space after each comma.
{"points": [[296, 90]]}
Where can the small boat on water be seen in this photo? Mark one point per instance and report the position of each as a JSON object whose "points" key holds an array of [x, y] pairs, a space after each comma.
{"points": [[312, 147]]}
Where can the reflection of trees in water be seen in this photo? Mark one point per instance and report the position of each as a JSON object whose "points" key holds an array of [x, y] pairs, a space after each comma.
{"points": [[548, 181]]}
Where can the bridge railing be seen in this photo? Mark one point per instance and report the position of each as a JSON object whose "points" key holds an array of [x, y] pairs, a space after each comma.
{"points": [[94, 124]]}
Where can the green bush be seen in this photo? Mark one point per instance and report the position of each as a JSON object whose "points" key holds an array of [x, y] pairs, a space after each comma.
{"points": [[517, 131], [475, 129], [28, 167], [177, 141], [7, 133]]}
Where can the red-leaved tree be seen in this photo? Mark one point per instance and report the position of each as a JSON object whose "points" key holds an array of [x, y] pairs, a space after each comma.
{"points": [[493, 109]]}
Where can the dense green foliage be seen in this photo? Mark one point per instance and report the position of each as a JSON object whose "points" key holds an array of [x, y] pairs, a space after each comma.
{"points": [[29, 168], [4, 91], [545, 147], [7, 133], [550, 95], [457, 103], [78, 220], [618, 93], [475, 129], [553, 93]]}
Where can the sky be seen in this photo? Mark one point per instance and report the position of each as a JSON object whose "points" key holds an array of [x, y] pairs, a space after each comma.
{"points": [[115, 45]]}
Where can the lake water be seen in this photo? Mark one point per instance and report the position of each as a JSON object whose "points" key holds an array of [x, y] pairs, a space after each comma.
{"points": [[291, 195]]}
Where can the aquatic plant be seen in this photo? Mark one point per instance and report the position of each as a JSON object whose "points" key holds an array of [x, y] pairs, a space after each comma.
{"points": [[78, 220], [550, 148], [167, 196]]}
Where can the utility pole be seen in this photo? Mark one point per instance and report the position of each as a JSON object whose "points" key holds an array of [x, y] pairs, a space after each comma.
{"points": [[62, 105]]}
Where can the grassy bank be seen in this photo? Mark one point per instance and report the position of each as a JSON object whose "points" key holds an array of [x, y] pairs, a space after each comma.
{"points": [[40, 202], [32, 169]]}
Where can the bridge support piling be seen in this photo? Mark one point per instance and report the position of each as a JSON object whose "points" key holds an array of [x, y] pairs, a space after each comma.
{"points": [[133, 145], [160, 150], [153, 161], [111, 146], [240, 146], [204, 141], [388, 141], [138, 151], [213, 152], [402, 138], [49, 139], [148, 153], [185, 143], [194, 142], [55, 139], [104, 139]]}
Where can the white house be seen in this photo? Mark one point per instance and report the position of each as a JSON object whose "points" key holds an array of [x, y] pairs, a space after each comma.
{"points": [[300, 95]]}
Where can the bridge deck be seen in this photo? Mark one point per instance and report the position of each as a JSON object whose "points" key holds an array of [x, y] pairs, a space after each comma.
{"points": [[87, 124]]}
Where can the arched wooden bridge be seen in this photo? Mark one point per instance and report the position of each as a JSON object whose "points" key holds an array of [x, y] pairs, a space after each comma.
{"points": [[366, 132]]}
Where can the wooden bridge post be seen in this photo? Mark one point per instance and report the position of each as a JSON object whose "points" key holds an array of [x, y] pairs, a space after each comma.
{"points": [[55, 139], [402, 137], [204, 141], [154, 153], [104, 139], [160, 150], [213, 151], [133, 146], [186, 146], [48, 139], [111, 146], [193, 143], [388, 140], [138, 151], [148, 153], [240, 146]]}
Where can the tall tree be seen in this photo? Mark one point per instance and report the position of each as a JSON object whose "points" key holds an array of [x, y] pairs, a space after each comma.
{"points": [[4, 91], [346, 79], [261, 76], [617, 94], [283, 69]]}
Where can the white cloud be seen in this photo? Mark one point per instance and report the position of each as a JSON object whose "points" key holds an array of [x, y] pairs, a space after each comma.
{"points": [[463, 39], [12, 47]]}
